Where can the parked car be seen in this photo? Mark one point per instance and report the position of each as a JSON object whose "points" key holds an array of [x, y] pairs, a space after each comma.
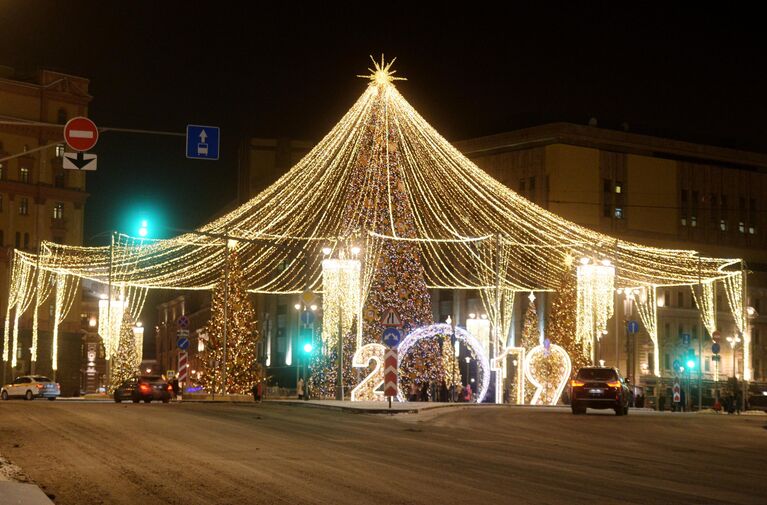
{"points": [[599, 388], [147, 388], [30, 387]]}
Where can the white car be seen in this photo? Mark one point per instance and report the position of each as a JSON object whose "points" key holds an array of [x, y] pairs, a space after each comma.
{"points": [[30, 387]]}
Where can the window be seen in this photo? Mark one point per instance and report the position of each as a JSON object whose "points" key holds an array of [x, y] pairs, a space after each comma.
{"points": [[683, 208], [522, 183], [713, 207], [619, 187], [723, 213], [694, 209], [680, 299], [58, 210], [607, 197], [668, 330], [651, 362], [667, 361], [751, 216], [26, 240], [667, 297], [24, 174], [62, 116], [618, 212], [707, 365], [18, 240], [2, 239], [1, 167], [742, 215], [1, 203], [754, 335], [60, 150], [23, 206]]}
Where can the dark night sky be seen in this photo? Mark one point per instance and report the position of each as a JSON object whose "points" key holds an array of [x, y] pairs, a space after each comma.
{"points": [[290, 72]]}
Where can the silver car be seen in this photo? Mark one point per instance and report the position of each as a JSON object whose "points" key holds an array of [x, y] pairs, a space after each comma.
{"points": [[30, 387]]}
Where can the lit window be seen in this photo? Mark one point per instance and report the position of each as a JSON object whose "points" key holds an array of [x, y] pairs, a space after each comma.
{"points": [[618, 187], [742, 227], [693, 221], [58, 210], [684, 221], [751, 230], [618, 212], [723, 225], [24, 174], [59, 150], [23, 206]]}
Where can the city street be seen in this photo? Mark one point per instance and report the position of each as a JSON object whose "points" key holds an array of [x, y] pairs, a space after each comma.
{"points": [[105, 453]]}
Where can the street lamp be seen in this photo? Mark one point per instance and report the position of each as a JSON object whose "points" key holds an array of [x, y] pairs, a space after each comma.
{"points": [[734, 341], [468, 360]]}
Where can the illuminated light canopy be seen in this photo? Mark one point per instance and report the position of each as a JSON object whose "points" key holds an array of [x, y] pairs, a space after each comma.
{"points": [[340, 300], [461, 217]]}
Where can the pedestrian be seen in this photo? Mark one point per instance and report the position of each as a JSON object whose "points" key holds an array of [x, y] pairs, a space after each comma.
{"points": [[425, 392], [300, 388], [175, 386], [738, 401], [413, 392], [682, 403], [467, 393], [459, 392], [256, 390]]}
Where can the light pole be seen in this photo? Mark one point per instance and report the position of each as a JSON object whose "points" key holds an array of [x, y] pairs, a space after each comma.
{"points": [[468, 360], [734, 341]]}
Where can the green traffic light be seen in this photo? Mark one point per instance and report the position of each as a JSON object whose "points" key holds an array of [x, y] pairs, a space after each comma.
{"points": [[143, 230], [308, 348], [690, 364]]}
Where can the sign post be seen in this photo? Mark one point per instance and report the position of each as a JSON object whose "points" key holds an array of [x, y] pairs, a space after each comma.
{"points": [[202, 142], [391, 363], [80, 134]]}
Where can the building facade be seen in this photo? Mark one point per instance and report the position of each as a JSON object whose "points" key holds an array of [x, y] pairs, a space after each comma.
{"points": [[39, 200], [657, 192]]}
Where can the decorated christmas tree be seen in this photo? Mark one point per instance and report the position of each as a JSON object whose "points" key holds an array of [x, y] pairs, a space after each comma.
{"points": [[398, 282], [561, 323], [531, 337], [125, 363], [242, 368]]}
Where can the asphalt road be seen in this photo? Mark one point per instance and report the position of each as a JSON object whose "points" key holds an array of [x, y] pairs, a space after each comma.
{"points": [[103, 453]]}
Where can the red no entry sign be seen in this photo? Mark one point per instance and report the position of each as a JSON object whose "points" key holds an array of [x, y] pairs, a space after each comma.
{"points": [[81, 133]]}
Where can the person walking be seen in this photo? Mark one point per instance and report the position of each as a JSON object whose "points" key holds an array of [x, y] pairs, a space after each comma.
{"points": [[175, 386], [256, 390], [300, 388], [467, 394], [738, 401]]}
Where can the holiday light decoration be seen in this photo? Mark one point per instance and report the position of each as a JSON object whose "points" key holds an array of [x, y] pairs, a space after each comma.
{"points": [[561, 323], [340, 300], [110, 323], [440, 330], [383, 175], [480, 328], [125, 362], [500, 367], [367, 389], [704, 295], [647, 306], [548, 370], [66, 288], [596, 282], [735, 290]]}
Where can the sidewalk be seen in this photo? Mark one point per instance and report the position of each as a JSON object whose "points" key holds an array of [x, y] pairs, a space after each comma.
{"points": [[15, 487]]}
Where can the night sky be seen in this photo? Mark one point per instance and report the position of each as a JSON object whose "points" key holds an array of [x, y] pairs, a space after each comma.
{"points": [[290, 72]]}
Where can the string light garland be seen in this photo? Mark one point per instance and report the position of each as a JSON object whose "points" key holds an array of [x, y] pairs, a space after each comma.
{"points": [[548, 370], [382, 177], [596, 282], [647, 306]]}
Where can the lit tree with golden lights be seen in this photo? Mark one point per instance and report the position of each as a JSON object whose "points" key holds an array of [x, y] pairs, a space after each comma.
{"points": [[242, 367], [562, 320], [531, 337], [125, 363]]}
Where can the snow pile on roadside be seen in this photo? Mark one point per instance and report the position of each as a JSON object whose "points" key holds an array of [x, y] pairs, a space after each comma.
{"points": [[11, 472]]}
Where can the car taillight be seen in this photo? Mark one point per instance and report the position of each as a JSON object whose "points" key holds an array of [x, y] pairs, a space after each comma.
{"points": [[169, 387], [614, 384], [144, 387], [576, 383], [40, 386], [58, 386]]}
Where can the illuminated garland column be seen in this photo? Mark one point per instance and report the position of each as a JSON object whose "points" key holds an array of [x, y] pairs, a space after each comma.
{"points": [[746, 330], [340, 298], [647, 306], [59, 301], [595, 302]]}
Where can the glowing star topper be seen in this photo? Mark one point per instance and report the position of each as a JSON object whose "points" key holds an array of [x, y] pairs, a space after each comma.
{"points": [[381, 73]]}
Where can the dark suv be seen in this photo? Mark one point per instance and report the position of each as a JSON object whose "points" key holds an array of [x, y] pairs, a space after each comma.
{"points": [[144, 388], [599, 388]]}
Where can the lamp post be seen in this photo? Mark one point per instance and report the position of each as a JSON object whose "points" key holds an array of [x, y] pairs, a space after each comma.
{"points": [[468, 360], [733, 341]]}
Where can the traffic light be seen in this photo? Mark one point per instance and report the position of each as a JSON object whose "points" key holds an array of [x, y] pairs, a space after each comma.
{"points": [[143, 229], [690, 364], [305, 338]]}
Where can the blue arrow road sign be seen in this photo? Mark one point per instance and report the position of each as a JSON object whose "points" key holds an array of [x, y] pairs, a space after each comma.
{"points": [[715, 348], [183, 343], [391, 337], [307, 317], [202, 142], [633, 327]]}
